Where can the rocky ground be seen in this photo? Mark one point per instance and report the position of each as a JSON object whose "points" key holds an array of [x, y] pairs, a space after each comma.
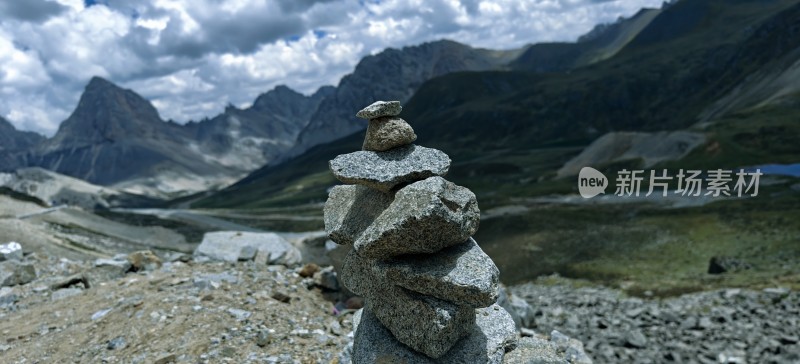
{"points": [[183, 312], [190, 310], [722, 326]]}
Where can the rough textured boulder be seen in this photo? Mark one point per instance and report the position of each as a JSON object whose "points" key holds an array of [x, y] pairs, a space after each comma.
{"points": [[384, 171], [461, 273], [387, 133], [559, 349], [13, 273], [350, 209], [424, 323], [425, 217], [232, 246], [431, 305], [487, 341]]}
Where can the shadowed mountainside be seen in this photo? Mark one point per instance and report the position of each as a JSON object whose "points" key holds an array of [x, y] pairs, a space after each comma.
{"points": [[506, 130]]}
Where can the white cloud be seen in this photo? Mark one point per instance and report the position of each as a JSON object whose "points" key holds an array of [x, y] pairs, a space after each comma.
{"points": [[193, 57]]}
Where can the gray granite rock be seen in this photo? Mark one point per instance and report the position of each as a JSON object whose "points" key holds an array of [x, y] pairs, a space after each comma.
{"points": [[116, 343], [571, 349], [504, 300], [534, 350], [384, 171], [326, 278], [425, 217], [13, 273], [424, 323], [522, 309], [359, 274], [350, 209], [380, 108], [232, 246], [487, 341], [387, 133], [462, 273], [8, 297]]}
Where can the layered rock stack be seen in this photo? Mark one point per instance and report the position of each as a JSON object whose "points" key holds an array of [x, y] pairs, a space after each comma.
{"points": [[430, 290]]}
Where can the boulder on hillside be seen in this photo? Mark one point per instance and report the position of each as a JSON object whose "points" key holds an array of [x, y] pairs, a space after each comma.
{"points": [[234, 246], [519, 309], [650, 148], [13, 273], [722, 264], [144, 260]]}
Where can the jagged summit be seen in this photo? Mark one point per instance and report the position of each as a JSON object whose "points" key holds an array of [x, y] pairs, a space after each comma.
{"points": [[99, 82], [107, 112]]}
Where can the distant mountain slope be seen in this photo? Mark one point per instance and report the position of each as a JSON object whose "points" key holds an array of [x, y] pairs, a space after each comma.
{"points": [[56, 189], [13, 141], [508, 130], [112, 135], [601, 43], [394, 74], [249, 138], [116, 137], [648, 85]]}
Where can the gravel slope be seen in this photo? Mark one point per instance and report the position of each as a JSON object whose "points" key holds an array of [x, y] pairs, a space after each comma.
{"points": [[723, 326]]}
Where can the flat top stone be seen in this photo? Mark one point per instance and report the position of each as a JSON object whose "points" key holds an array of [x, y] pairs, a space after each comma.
{"points": [[380, 108], [425, 217], [463, 274], [385, 170]]}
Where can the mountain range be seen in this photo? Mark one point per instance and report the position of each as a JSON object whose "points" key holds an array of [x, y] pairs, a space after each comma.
{"points": [[114, 137], [724, 74]]}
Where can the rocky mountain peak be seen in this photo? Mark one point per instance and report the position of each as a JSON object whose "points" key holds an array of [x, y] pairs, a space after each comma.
{"points": [[394, 74], [98, 82], [276, 97], [107, 112]]}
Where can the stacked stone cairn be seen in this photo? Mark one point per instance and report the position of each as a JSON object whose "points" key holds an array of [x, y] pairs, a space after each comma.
{"points": [[430, 290]]}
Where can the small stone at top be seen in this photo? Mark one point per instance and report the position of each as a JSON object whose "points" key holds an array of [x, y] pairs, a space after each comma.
{"points": [[380, 108]]}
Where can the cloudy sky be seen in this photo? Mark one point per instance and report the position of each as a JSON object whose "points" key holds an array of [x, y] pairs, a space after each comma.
{"points": [[193, 57]]}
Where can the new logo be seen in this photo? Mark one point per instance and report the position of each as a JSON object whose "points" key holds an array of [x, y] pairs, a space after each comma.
{"points": [[591, 182]]}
